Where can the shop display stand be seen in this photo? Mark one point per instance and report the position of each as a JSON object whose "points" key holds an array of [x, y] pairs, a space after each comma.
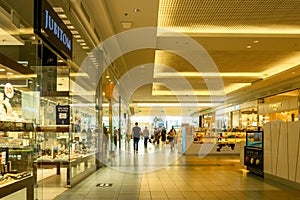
{"points": [[253, 152], [71, 163], [27, 182], [18, 161], [216, 143]]}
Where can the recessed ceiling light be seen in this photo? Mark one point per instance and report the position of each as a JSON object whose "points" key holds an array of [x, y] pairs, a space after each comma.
{"points": [[9, 73], [248, 47], [2, 70], [137, 10], [74, 32], [66, 22], [86, 47], [83, 44], [71, 27], [80, 40], [62, 16], [58, 9], [255, 41], [24, 63], [77, 36]]}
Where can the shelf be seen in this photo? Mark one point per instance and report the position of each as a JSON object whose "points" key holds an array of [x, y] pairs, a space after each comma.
{"points": [[16, 126], [16, 185], [53, 129]]}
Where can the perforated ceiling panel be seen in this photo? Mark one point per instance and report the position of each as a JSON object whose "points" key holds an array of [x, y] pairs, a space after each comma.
{"points": [[246, 16]]}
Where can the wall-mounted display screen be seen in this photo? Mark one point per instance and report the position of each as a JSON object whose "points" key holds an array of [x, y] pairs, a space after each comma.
{"points": [[254, 139]]}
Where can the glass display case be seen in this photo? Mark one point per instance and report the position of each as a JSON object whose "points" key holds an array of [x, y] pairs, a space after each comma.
{"points": [[62, 148], [16, 157]]}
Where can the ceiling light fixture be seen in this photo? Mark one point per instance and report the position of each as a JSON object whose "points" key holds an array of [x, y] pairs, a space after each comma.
{"points": [[67, 22], [107, 75], [71, 27], [74, 32], [206, 74], [126, 24], [62, 16], [58, 9]]}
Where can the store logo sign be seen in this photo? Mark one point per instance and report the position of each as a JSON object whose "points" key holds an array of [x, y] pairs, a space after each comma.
{"points": [[53, 26], [51, 29], [276, 106]]}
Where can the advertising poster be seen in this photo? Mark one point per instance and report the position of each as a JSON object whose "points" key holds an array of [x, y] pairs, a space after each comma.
{"points": [[62, 115]]}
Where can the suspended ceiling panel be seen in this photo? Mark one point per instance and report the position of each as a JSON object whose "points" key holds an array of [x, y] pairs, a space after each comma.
{"points": [[238, 16]]}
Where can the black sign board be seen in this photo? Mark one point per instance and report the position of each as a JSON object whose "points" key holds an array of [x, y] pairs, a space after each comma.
{"points": [[62, 115], [51, 29], [254, 160]]}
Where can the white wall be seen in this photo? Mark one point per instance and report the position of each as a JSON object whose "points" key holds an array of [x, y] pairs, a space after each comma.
{"points": [[282, 150]]}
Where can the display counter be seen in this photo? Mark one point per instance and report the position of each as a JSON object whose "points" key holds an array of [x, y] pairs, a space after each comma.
{"points": [[14, 185], [62, 148], [88, 162], [16, 158], [216, 143]]}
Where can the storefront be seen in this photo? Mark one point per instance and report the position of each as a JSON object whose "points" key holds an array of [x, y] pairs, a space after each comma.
{"points": [[228, 133], [49, 118], [242, 116], [284, 107]]}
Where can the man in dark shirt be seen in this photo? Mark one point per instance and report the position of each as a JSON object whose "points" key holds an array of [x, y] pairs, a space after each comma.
{"points": [[136, 131]]}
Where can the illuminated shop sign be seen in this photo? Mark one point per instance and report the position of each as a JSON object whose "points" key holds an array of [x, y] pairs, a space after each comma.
{"points": [[276, 106], [53, 26], [50, 28]]}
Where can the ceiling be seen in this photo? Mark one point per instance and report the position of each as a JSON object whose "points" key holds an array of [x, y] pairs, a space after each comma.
{"points": [[254, 44], [200, 53]]}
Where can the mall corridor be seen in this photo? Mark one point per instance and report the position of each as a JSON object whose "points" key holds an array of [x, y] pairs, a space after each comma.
{"points": [[190, 177]]}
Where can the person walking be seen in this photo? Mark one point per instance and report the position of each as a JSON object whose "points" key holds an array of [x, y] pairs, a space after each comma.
{"points": [[172, 134], [136, 131], [115, 136], [156, 136], [146, 136], [163, 134]]}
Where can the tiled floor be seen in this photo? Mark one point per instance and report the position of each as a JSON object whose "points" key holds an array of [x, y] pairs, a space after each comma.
{"points": [[189, 177]]}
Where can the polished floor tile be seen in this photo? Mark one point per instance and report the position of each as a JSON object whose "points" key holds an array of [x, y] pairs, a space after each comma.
{"points": [[213, 177]]}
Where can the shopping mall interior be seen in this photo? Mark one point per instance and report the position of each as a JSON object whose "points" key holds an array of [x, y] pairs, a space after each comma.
{"points": [[76, 75]]}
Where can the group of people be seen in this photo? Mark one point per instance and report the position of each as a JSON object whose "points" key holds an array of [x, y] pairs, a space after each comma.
{"points": [[159, 135]]}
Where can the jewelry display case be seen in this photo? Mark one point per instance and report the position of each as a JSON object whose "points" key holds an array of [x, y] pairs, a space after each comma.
{"points": [[16, 158], [61, 148]]}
